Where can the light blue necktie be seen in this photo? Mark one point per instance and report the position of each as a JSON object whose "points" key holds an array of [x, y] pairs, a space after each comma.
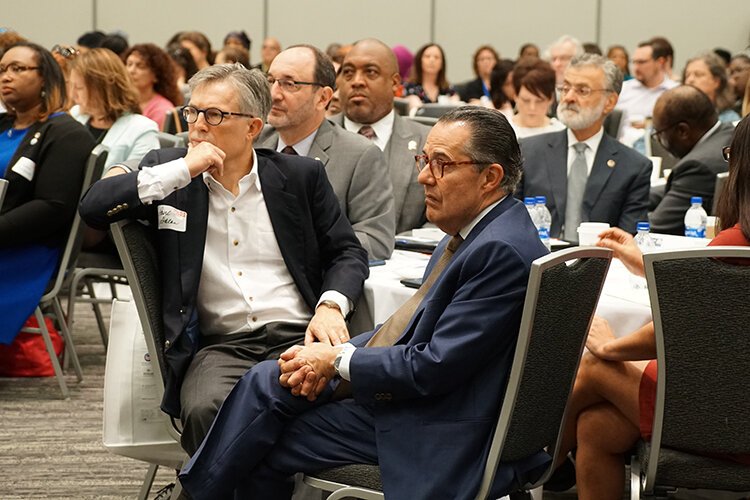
{"points": [[579, 173]]}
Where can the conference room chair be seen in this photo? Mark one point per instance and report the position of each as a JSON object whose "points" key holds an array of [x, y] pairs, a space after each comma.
{"points": [[425, 120], [136, 246], [612, 122], [401, 105], [174, 123], [436, 110], [50, 301], [167, 140], [563, 290], [699, 305], [3, 189], [721, 180]]}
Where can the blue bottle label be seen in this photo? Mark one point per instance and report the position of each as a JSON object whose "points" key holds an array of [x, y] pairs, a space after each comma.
{"points": [[543, 233], [695, 232]]}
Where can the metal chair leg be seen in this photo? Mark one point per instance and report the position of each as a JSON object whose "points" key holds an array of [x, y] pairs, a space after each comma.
{"points": [[70, 348], [148, 481], [51, 351]]}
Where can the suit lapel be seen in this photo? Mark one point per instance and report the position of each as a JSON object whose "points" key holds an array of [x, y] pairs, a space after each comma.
{"points": [[192, 242], [322, 142], [557, 170], [400, 162], [605, 162]]}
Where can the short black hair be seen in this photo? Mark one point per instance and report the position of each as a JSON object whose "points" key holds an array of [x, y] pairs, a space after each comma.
{"points": [[91, 39]]}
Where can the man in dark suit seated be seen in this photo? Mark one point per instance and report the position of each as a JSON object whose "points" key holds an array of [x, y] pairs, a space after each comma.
{"points": [[255, 253], [585, 174], [302, 81], [686, 125], [420, 394], [367, 82]]}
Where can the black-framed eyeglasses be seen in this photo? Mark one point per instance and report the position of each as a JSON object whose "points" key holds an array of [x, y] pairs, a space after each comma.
{"points": [[658, 135], [581, 90], [67, 52], [725, 152], [16, 69], [213, 116], [437, 166], [289, 85]]}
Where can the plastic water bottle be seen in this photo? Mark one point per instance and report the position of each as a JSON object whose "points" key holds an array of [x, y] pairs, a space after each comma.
{"points": [[646, 244], [529, 201], [544, 221], [695, 219]]}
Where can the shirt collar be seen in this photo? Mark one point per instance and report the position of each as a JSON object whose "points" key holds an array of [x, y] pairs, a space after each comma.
{"points": [[249, 179], [592, 142], [383, 128], [709, 133], [302, 147], [468, 228]]}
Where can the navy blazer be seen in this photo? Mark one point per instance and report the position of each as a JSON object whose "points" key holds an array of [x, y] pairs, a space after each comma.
{"points": [[316, 241], [617, 189], [441, 385]]}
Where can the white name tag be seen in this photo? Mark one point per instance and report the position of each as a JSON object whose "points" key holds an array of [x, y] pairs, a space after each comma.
{"points": [[25, 168], [172, 218]]}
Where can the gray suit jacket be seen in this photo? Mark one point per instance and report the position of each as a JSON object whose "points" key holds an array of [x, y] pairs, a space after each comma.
{"points": [[356, 170], [616, 190], [693, 175], [407, 139]]}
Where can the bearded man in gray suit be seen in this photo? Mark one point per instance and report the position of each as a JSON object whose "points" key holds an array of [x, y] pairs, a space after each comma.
{"points": [[367, 82], [302, 80]]}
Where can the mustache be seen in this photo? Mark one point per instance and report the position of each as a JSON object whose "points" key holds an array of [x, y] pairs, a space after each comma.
{"points": [[570, 107]]}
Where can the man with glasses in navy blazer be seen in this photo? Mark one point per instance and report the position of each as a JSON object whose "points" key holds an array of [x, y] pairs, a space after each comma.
{"points": [[254, 252]]}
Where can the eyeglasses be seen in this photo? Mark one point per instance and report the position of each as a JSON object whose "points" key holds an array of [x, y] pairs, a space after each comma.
{"points": [[67, 52], [725, 152], [658, 134], [16, 69], [437, 166], [581, 90], [290, 86], [213, 116], [642, 61]]}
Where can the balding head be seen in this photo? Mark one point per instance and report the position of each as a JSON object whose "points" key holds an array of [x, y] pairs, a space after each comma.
{"points": [[367, 81], [682, 116]]}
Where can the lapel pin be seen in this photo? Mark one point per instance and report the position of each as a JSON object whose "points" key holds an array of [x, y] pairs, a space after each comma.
{"points": [[611, 163], [318, 159], [412, 145], [35, 139]]}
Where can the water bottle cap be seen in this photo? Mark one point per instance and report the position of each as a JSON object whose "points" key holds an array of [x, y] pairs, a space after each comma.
{"points": [[643, 226], [541, 199], [529, 200], [696, 199]]}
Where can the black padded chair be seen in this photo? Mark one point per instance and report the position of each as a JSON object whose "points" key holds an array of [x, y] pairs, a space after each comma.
{"points": [[612, 123], [174, 122], [561, 297], [701, 318], [167, 140], [136, 245], [67, 264], [436, 110]]}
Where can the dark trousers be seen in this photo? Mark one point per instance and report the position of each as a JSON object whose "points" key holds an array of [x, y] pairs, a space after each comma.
{"points": [[263, 434], [216, 367]]}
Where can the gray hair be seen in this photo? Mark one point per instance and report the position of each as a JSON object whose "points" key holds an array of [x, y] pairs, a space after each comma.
{"points": [[612, 74], [492, 140], [724, 96], [253, 89], [563, 40]]}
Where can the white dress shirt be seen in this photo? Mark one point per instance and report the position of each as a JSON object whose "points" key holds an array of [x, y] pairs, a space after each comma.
{"points": [[637, 103], [244, 283], [590, 153], [383, 129], [302, 147]]}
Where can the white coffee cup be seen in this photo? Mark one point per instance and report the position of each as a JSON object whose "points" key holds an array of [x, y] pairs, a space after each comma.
{"points": [[588, 232]]}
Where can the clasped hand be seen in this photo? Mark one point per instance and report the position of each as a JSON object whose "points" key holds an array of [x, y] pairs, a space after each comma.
{"points": [[306, 370]]}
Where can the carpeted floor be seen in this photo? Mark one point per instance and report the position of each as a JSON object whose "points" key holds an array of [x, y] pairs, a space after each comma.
{"points": [[52, 448]]}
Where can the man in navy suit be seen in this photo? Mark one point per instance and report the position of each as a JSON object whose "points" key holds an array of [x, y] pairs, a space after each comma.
{"points": [[255, 254], [423, 404], [586, 175]]}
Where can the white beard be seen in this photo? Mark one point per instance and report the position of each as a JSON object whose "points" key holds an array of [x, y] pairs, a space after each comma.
{"points": [[575, 117]]}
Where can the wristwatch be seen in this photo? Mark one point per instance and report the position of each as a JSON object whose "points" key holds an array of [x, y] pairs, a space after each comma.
{"points": [[337, 361]]}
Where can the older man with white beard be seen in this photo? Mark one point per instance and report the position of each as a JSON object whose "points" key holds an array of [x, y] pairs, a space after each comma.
{"points": [[586, 175]]}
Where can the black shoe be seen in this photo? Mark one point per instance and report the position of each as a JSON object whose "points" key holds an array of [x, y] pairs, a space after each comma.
{"points": [[563, 478], [165, 493]]}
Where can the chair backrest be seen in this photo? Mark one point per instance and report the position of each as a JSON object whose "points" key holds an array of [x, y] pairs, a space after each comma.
{"points": [[435, 110], [561, 297], [167, 140], [135, 243], [174, 123], [699, 305], [91, 174], [612, 122], [401, 105], [425, 120], [721, 180], [3, 188]]}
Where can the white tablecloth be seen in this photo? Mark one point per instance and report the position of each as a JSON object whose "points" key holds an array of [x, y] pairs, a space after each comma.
{"points": [[625, 307]]}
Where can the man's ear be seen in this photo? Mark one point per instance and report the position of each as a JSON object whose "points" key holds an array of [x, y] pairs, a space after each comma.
{"points": [[254, 126], [493, 177], [325, 96], [611, 102]]}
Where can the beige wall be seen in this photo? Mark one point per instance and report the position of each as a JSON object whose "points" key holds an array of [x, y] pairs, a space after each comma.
{"points": [[460, 26]]}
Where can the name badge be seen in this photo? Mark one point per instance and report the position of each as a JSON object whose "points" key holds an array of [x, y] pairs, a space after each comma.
{"points": [[25, 168], [172, 218]]}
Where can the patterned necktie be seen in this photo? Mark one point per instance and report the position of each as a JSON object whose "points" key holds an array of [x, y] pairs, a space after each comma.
{"points": [[368, 132], [288, 150], [396, 324], [579, 173]]}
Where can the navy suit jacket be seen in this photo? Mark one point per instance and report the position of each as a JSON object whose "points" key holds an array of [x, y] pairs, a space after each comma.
{"points": [[617, 189], [316, 241], [436, 393]]}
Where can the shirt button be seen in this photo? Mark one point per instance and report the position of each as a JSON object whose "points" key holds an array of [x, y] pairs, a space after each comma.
{"points": [[255, 318], [239, 273], [233, 209], [167, 344], [250, 299], [235, 243]]}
